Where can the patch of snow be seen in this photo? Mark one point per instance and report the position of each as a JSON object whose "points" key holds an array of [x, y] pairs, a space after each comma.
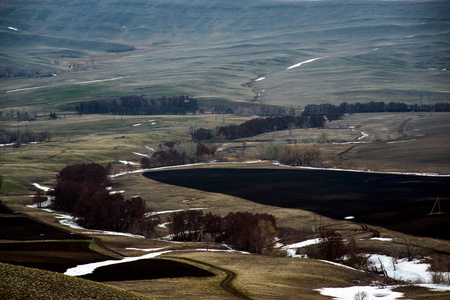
{"points": [[435, 287], [405, 141], [75, 83], [70, 223], [291, 249], [3, 145], [382, 239], [219, 250], [89, 268], [163, 225], [348, 143], [349, 218], [116, 192], [339, 265], [114, 233], [43, 205], [146, 249], [149, 148], [63, 216], [261, 78], [361, 171], [363, 135], [141, 154], [410, 271], [350, 293], [41, 187], [305, 62], [125, 162], [12, 28], [154, 213], [135, 125], [153, 123]]}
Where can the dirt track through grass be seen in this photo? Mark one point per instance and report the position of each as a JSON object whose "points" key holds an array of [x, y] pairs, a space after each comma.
{"points": [[227, 283]]}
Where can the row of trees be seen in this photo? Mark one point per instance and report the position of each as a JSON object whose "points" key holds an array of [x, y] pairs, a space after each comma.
{"points": [[171, 154], [334, 112], [81, 190], [27, 136], [262, 111], [138, 105], [257, 126], [242, 230]]}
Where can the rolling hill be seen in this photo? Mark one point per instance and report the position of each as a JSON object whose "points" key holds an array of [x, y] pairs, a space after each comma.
{"points": [[215, 50]]}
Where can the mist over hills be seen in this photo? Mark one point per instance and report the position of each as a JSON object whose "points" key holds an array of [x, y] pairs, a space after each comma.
{"points": [[369, 50]]}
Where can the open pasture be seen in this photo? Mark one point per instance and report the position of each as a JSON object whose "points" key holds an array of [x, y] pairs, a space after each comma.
{"points": [[216, 50]]}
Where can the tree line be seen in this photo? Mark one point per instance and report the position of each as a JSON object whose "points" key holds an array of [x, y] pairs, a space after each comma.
{"points": [[333, 112], [172, 153], [139, 105], [258, 126], [241, 230], [27, 136], [81, 190]]}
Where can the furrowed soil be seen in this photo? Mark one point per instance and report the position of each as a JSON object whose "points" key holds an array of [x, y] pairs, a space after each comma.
{"points": [[397, 202]]}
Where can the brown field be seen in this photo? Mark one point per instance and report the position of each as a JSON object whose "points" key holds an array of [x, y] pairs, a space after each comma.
{"points": [[103, 140]]}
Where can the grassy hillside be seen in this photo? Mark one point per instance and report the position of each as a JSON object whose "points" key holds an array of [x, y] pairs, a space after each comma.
{"points": [[26, 283], [373, 50]]}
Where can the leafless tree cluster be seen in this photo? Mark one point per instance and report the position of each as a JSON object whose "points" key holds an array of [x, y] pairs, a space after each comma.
{"points": [[81, 190], [242, 230], [171, 154], [258, 126]]}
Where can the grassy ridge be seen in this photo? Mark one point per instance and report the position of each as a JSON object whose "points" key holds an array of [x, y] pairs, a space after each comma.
{"points": [[26, 283]]}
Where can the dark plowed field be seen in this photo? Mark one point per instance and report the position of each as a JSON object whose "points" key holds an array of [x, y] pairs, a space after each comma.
{"points": [[397, 202], [146, 269], [23, 228], [55, 256]]}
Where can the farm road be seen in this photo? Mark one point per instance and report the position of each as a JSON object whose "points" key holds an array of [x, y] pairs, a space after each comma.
{"points": [[226, 284]]}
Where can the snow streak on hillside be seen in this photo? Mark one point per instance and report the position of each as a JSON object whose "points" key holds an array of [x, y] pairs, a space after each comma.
{"points": [[305, 62]]}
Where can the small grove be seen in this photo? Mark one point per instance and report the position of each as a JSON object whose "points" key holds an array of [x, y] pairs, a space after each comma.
{"points": [[81, 190], [243, 230]]}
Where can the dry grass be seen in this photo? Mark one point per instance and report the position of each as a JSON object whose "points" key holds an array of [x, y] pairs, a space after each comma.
{"points": [[99, 141], [26, 283], [259, 277]]}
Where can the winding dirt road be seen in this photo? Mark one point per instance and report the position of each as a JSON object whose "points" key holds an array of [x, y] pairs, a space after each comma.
{"points": [[226, 284]]}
